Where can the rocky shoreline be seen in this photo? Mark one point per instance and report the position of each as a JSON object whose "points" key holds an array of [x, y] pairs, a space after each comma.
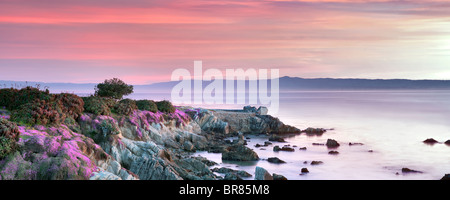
{"points": [[143, 145]]}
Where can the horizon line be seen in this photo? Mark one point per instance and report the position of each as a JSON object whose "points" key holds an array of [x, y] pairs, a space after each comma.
{"points": [[292, 77]]}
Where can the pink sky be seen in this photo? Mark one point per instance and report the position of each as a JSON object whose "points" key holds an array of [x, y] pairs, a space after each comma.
{"points": [[142, 42]]}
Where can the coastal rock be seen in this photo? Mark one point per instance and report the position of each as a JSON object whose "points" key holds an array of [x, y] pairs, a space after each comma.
{"points": [[302, 148], [314, 131], [304, 170], [250, 122], [407, 170], [276, 138], [447, 142], [279, 177], [239, 153], [446, 177], [250, 109], [224, 170], [287, 148], [333, 152], [275, 160], [332, 143], [262, 110], [314, 162], [262, 174], [232, 176], [430, 141]]}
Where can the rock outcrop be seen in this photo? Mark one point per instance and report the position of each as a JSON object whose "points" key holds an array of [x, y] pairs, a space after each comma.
{"points": [[239, 153], [262, 174], [141, 145]]}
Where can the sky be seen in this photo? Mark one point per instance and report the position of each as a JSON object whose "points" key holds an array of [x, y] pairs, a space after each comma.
{"points": [[143, 41]]}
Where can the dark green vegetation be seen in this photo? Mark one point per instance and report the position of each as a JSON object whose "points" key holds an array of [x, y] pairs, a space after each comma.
{"points": [[113, 88], [147, 105], [165, 106], [9, 135], [30, 105], [125, 107]]}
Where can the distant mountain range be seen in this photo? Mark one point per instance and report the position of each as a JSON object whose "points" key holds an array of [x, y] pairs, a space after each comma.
{"points": [[286, 84]]}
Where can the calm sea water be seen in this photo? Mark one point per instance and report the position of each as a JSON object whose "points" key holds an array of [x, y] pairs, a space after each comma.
{"points": [[392, 124]]}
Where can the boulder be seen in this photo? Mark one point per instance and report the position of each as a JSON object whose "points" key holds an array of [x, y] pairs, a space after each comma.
{"points": [[333, 152], [275, 160], [407, 170], [446, 177], [276, 138], [316, 162], [232, 176], [332, 143], [239, 153], [314, 131], [305, 170], [287, 148], [279, 177], [224, 170], [262, 110], [262, 174], [447, 142], [250, 109], [430, 141]]}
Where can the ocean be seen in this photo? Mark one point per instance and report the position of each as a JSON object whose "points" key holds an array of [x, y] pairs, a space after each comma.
{"points": [[390, 124]]}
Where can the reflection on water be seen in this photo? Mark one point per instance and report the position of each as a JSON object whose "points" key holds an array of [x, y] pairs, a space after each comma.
{"points": [[392, 124]]}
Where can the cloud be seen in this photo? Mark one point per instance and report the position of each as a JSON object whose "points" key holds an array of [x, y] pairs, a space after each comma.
{"points": [[144, 39]]}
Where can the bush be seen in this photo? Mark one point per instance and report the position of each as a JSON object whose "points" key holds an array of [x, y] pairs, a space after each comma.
{"points": [[9, 135], [147, 105], [38, 112], [98, 105], [165, 106], [28, 95], [125, 107], [70, 104], [7, 96], [12, 98], [113, 88]]}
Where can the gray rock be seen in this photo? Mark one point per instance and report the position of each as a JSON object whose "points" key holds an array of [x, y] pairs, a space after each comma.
{"points": [[251, 109], [262, 110], [232, 176], [188, 146], [446, 177], [239, 153], [305, 170], [279, 177], [332, 143], [262, 174], [316, 162], [275, 160]]}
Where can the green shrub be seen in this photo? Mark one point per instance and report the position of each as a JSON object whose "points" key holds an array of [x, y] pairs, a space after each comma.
{"points": [[28, 95], [13, 98], [98, 105], [113, 88], [70, 104], [38, 112], [9, 135], [147, 105], [165, 106], [7, 97], [125, 107]]}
